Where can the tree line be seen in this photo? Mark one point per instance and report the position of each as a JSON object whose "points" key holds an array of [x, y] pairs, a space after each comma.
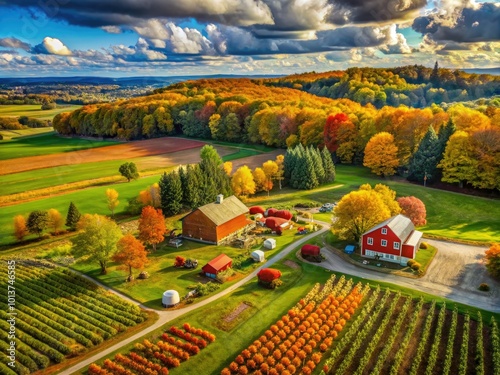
{"points": [[250, 111]]}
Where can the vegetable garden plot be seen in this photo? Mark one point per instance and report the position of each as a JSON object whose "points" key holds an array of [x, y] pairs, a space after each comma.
{"points": [[59, 314]]}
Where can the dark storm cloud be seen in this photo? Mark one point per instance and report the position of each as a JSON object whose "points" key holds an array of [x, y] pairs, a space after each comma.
{"points": [[14, 43], [95, 13], [481, 24], [344, 12]]}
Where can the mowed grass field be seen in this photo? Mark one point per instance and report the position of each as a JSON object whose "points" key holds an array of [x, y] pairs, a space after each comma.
{"points": [[34, 110], [28, 132], [46, 144]]}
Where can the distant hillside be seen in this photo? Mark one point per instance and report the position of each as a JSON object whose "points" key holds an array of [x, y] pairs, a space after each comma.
{"points": [[415, 86], [492, 71]]}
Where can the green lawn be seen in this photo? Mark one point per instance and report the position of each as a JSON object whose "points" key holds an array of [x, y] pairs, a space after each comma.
{"points": [[34, 110], [28, 132], [165, 276], [45, 145], [91, 200]]}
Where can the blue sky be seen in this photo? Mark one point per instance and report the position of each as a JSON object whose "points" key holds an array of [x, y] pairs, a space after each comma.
{"points": [[203, 37]]}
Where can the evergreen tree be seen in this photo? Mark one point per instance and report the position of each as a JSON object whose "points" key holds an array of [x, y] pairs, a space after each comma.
{"points": [[192, 189], [37, 222], [311, 180], [424, 161], [328, 165], [289, 164], [317, 163], [444, 135], [183, 178], [72, 217], [298, 173], [171, 193], [434, 78]]}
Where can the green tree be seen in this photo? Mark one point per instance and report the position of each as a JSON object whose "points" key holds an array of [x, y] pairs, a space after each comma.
{"points": [[459, 163], [209, 154], [171, 193], [37, 222], [424, 162], [328, 166], [192, 189], [317, 163], [129, 171], [97, 240], [73, 216]]}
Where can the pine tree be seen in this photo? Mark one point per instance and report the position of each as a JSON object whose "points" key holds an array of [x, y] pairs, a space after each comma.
{"points": [[434, 78], [444, 135], [328, 165], [311, 180], [72, 217], [289, 164], [191, 190], [424, 161], [317, 163], [171, 193]]}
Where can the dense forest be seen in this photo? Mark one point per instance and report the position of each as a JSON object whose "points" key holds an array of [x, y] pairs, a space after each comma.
{"points": [[414, 86], [256, 111]]}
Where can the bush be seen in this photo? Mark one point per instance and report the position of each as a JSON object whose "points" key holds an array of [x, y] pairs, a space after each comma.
{"points": [[424, 246], [143, 275], [411, 262], [416, 266], [484, 287], [49, 105]]}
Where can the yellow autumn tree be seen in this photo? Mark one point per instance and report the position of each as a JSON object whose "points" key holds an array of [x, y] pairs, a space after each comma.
{"points": [[228, 167], [259, 178], [459, 162], [281, 168], [242, 182], [357, 212], [112, 200], [56, 221], [381, 154], [270, 169], [20, 228], [387, 195]]}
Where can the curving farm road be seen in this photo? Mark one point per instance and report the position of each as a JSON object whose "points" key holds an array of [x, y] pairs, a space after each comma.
{"points": [[454, 274]]}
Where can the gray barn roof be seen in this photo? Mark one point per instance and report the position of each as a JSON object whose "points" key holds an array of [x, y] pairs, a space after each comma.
{"points": [[399, 224], [220, 213]]}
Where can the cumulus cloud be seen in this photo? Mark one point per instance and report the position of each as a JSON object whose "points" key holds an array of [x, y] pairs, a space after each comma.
{"points": [[14, 43], [396, 43], [139, 52], [51, 46], [466, 24]]}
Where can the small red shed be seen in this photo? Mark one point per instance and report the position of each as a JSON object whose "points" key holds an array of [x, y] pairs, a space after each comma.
{"points": [[275, 223], [216, 265], [310, 250], [268, 274]]}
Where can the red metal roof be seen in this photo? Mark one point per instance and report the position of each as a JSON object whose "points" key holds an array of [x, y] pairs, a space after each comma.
{"points": [[219, 262]]}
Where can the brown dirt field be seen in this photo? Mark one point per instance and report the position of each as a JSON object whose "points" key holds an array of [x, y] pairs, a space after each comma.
{"points": [[129, 150], [256, 160]]}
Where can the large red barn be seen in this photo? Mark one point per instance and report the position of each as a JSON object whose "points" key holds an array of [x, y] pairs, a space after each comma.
{"points": [[394, 240], [216, 221], [216, 265]]}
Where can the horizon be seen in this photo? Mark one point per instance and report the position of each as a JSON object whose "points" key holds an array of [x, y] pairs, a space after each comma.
{"points": [[115, 39]]}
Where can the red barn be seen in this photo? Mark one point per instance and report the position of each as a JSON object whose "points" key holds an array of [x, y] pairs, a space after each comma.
{"points": [[310, 250], [216, 265], [394, 240], [216, 221]]}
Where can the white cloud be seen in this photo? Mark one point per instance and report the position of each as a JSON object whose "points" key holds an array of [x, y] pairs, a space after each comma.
{"points": [[52, 46]]}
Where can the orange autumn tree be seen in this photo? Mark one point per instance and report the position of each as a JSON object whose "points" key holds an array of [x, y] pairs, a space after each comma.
{"points": [[414, 209], [493, 259], [150, 196], [131, 253], [20, 229], [381, 154], [152, 226]]}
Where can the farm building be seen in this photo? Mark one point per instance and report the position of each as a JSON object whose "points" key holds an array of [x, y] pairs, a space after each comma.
{"points": [[216, 265], [274, 223], [258, 256], [170, 298], [394, 240], [216, 221]]}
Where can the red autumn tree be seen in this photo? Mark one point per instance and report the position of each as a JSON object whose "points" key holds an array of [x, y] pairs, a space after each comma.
{"points": [[333, 123], [414, 209], [131, 254], [152, 226]]}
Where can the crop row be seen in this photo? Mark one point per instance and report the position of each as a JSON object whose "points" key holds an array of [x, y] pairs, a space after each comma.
{"points": [[41, 360], [156, 359], [451, 341], [423, 339], [296, 342], [479, 346], [388, 341], [58, 292], [431, 362], [464, 348], [495, 341]]}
